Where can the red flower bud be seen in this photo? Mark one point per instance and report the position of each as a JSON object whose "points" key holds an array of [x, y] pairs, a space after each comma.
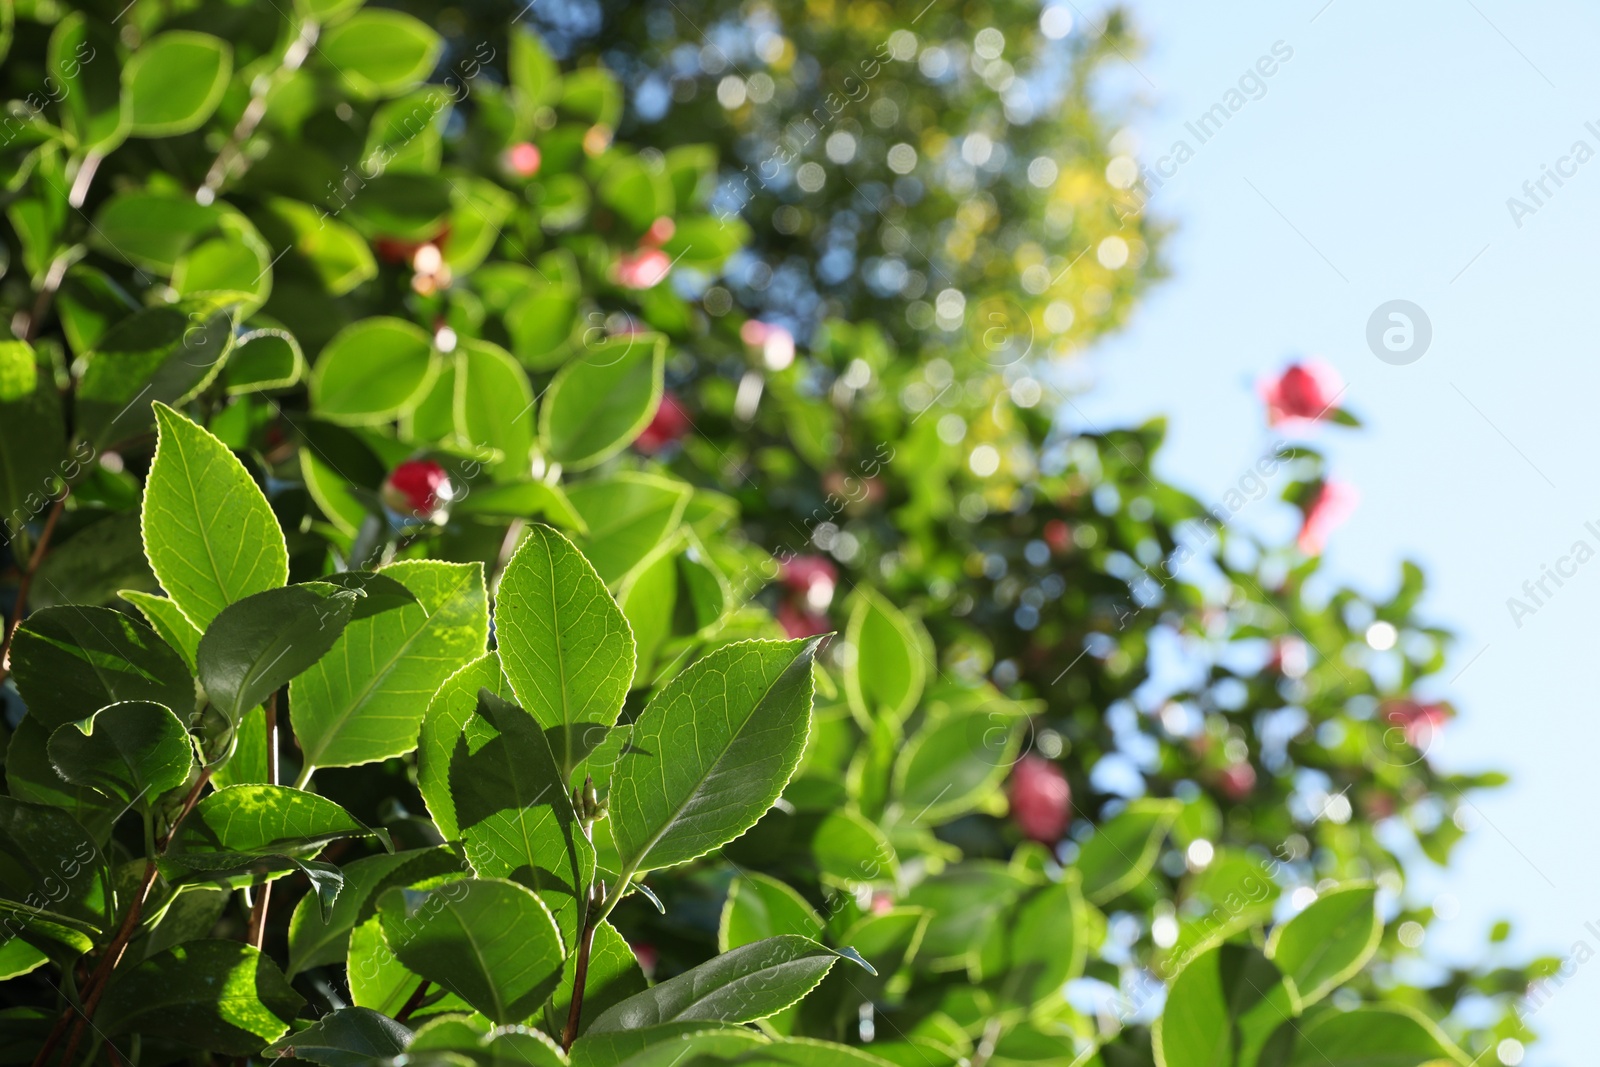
{"points": [[1041, 799], [417, 487], [1303, 392], [670, 424]]}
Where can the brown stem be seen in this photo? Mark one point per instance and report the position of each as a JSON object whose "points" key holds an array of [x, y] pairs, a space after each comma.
{"points": [[258, 913], [256, 110], [113, 955], [47, 291], [414, 1001], [580, 974], [26, 584]]}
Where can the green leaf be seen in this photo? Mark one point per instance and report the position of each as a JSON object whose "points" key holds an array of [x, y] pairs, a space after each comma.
{"points": [[89, 303], [967, 901], [488, 941], [522, 500], [347, 1037], [69, 663], [218, 995], [494, 407], [94, 563], [209, 532], [453, 708], [33, 448], [315, 941], [1123, 850], [236, 262], [365, 699], [240, 869], [1380, 1035], [175, 81], [132, 752], [373, 371], [884, 674], [380, 53], [261, 642], [628, 515], [658, 1046], [515, 813], [380, 981], [267, 820], [599, 402], [31, 777], [1329, 942], [264, 359], [1047, 945], [711, 752], [169, 621], [749, 983], [19, 371], [150, 229], [565, 646], [958, 759], [541, 325], [760, 907], [51, 866], [161, 355], [337, 254], [1221, 1009]]}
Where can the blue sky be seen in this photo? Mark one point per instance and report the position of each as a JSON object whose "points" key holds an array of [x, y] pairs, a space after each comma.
{"points": [[1378, 165]]}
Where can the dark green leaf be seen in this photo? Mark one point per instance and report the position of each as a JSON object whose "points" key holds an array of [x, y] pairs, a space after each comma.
{"points": [[515, 813], [71, 662], [133, 752], [218, 995], [749, 983], [261, 642], [372, 371], [1123, 850], [488, 941], [348, 1037]]}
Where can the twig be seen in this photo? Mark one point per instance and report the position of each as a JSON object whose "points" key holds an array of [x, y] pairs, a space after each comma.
{"points": [[580, 974], [256, 110], [96, 985], [26, 584], [414, 1001], [258, 913]]}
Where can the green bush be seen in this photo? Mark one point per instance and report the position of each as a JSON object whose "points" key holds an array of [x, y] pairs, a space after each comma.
{"points": [[423, 562]]}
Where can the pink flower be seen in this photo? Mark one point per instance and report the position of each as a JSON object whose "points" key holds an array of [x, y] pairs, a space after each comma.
{"points": [[670, 424], [659, 233], [773, 343], [523, 158], [812, 577], [798, 623], [1420, 722], [1041, 799], [643, 269], [417, 487], [1237, 780], [1331, 504], [1303, 392]]}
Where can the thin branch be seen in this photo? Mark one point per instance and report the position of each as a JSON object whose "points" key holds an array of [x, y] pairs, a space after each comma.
{"points": [[580, 974], [258, 913], [414, 1001], [96, 985], [222, 168], [26, 584]]}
